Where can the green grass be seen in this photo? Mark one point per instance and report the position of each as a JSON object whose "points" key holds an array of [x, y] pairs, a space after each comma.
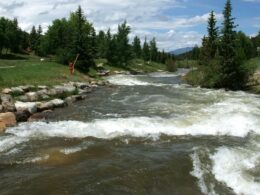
{"points": [[28, 69], [254, 62], [34, 72], [186, 63]]}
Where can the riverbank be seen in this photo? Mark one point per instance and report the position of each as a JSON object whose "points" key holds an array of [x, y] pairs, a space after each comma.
{"points": [[35, 103]]}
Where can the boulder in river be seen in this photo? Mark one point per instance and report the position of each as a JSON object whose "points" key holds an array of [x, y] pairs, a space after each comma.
{"points": [[22, 116], [26, 106], [8, 119], [70, 100], [42, 116], [7, 103], [2, 127], [45, 106], [58, 103]]}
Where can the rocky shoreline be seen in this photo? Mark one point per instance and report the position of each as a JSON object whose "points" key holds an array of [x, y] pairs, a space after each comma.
{"points": [[34, 103]]}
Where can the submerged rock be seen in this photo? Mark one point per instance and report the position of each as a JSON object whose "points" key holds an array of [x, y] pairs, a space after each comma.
{"points": [[43, 116]]}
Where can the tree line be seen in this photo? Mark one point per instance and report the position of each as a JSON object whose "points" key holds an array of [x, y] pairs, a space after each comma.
{"points": [[65, 38], [223, 53]]}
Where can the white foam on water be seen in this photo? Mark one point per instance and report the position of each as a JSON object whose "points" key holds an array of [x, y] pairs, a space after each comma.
{"points": [[9, 142], [131, 80], [72, 150], [126, 80], [235, 168], [199, 172], [234, 125], [33, 160]]}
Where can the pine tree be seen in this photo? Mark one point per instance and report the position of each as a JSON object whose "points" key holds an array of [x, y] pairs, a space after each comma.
{"points": [[81, 40], [146, 51], [232, 77], [212, 35], [137, 47], [33, 38], [153, 50]]}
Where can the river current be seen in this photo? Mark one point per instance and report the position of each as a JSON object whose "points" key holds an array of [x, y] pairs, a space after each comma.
{"points": [[148, 134]]}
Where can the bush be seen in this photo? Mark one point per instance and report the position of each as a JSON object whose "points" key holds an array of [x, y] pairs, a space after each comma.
{"points": [[171, 65]]}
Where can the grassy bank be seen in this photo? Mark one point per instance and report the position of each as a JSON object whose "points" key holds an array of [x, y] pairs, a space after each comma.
{"points": [[29, 69]]}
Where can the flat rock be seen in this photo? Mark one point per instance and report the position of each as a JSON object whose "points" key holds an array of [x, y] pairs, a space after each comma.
{"points": [[7, 91], [26, 106], [42, 87], [23, 98], [45, 106], [81, 85], [58, 103], [32, 96], [70, 100], [8, 119], [7, 103], [17, 90]]}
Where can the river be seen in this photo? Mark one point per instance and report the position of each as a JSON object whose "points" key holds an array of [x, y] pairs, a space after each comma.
{"points": [[148, 134]]}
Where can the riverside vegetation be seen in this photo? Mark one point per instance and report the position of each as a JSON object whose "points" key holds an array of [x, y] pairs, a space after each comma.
{"points": [[225, 58]]}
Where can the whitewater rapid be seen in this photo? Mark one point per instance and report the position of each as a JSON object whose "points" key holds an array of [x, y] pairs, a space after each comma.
{"points": [[234, 114]]}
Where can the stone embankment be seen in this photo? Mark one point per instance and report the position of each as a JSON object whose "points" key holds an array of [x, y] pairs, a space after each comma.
{"points": [[34, 103]]}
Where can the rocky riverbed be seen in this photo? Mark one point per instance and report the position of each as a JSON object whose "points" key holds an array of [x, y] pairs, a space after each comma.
{"points": [[35, 103]]}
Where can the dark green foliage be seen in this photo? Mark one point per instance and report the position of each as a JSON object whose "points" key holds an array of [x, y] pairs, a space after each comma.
{"points": [[212, 42], [146, 51], [137, 47], [153, 50], [233, 76], [171, 65], [120, 51], [11, 36]]}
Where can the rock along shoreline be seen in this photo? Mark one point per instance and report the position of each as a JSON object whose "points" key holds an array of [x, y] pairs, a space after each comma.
{"points": [[35, 103]]}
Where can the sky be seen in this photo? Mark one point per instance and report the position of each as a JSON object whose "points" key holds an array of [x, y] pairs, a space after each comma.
{"points": [[174, 23]]}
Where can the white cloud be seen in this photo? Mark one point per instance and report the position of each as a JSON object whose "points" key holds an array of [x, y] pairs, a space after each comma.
{"points": [[145, 17]]}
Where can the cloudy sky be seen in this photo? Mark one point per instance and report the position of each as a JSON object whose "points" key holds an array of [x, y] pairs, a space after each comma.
{"points": [[174, 23]]}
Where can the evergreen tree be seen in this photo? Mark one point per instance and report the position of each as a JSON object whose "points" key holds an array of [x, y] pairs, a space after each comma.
{"points": [[33, 38], [137, 47], [153, 50], [232, 74], [146, 51], [81, 40], [122, 53], [212, 35]]}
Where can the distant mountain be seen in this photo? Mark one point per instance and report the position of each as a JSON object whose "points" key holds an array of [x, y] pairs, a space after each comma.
{"points": [[181, 51]]}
